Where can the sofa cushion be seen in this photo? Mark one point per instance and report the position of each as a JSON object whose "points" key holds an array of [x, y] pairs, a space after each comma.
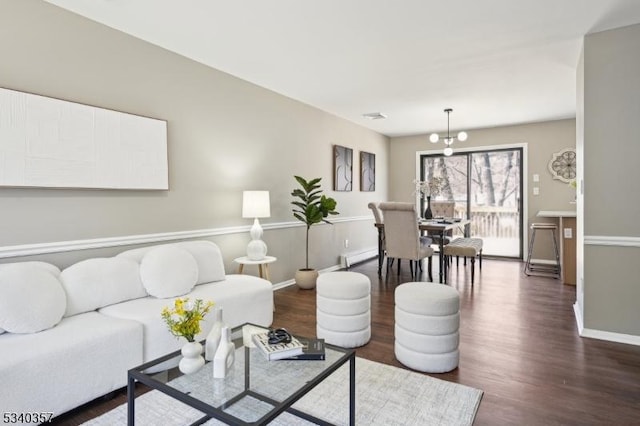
{"points": [[206, 253], [168, 271], [31, 298], [94, 283], [82, 358], [244, 298]]}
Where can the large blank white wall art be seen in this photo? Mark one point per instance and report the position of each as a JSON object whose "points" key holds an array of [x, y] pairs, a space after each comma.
{"points": [[46, 142]]}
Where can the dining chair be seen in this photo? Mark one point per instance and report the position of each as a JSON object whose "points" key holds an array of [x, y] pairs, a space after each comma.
{"points": [[377, 216], [402, 236], [444, 209]]}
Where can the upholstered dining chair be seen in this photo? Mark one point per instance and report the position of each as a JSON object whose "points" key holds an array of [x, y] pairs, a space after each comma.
{"points": [[402, 236], [442, 209], [377, 216]]}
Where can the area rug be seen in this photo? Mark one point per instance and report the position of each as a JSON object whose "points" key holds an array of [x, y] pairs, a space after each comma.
{"points": [[385, 395]]}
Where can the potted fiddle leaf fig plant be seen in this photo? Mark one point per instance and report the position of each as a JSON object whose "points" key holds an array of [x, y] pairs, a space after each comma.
{"points": [[310, 207]]}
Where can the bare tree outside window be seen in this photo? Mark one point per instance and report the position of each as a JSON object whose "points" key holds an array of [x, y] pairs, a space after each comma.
{"points": [[485, 187]]}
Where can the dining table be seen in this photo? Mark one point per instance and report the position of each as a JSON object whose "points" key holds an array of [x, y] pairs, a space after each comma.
{"points": [[438, 227]]}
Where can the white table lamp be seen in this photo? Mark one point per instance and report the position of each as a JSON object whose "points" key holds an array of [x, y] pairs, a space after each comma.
{"points": [[255, 204]]}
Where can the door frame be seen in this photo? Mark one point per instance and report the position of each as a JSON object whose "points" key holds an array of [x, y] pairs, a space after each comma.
{"points": [[524, 178]]}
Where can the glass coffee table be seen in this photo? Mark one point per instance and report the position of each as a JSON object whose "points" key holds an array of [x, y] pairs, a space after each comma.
{"points": [[255, 391]]}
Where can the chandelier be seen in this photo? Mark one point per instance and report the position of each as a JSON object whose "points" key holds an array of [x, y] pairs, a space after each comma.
{"points": [[448, 140]]}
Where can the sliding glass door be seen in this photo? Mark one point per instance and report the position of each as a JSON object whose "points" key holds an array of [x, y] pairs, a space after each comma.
{"points": [[486, 187]]}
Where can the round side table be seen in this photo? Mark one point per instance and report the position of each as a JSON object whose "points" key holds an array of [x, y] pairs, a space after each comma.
{"points": [[263, 265]]}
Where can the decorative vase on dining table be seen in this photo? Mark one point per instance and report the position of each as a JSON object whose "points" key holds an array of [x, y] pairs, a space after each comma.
{"points": [[427, 212]]}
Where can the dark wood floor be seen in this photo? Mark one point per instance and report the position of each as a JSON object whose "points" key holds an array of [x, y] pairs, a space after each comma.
{"points": [[518, 343]]}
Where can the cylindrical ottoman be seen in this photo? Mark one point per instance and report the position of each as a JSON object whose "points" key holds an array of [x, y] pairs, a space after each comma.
{"points": [[343, 302], [427, 318]]}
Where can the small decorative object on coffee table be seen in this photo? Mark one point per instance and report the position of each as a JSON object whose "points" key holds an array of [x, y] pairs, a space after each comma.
{"points": [[225, 355], [278, 344], [213, 338], [192, 359], [313, 350], [184, 321]]}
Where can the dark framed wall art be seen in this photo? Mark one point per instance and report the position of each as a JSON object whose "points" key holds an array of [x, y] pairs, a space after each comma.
{"points": [[342, 168], [367, 171]]}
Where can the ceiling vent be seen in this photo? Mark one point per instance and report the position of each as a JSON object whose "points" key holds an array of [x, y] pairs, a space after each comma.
{"points": [[374, 116]]}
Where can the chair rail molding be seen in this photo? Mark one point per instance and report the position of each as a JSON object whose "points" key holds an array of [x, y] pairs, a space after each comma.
{"points": [[604, 240], [96, 243]]}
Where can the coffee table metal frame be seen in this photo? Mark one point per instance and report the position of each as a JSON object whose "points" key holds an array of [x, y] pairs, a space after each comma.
{"points": [[137, 374]]}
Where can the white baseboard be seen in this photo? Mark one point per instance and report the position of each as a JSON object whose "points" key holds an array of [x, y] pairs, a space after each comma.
{"points": [[348, 259], [578, 313], [284, 284], [628, 339]]}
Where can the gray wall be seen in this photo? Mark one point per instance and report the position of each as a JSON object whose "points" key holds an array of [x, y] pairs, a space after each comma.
{"points": [[611, 92], [543, 139], [225, 136]]}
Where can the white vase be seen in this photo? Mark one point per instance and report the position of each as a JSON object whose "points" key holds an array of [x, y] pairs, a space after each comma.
{"points": [[225, 355], [192, 359], [213, 338]]}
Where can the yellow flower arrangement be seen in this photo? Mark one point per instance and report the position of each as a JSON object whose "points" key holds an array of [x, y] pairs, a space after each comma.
{"points": [[184, 319]]}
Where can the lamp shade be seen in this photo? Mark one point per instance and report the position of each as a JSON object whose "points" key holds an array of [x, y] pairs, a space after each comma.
{"points": [[255, 204]]}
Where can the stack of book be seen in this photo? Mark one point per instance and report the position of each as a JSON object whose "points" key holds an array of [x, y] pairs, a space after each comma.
{"points": [[307, 349], [313, 350], [278, 350]]}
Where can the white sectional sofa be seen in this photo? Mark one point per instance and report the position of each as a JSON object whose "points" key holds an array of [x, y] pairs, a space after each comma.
{"points": [[68, 337]]}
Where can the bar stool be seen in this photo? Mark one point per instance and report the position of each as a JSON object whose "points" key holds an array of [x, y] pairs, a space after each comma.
{"points": [[540, 268]]}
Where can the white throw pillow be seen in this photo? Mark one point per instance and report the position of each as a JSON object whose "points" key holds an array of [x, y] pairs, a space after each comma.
{"points": [[98, 282], [209, 259], [206, 253], [31, 299], [168, 271]]}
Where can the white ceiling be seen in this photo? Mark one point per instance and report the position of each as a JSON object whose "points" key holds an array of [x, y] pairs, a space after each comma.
{"points": [[495, 62]]}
